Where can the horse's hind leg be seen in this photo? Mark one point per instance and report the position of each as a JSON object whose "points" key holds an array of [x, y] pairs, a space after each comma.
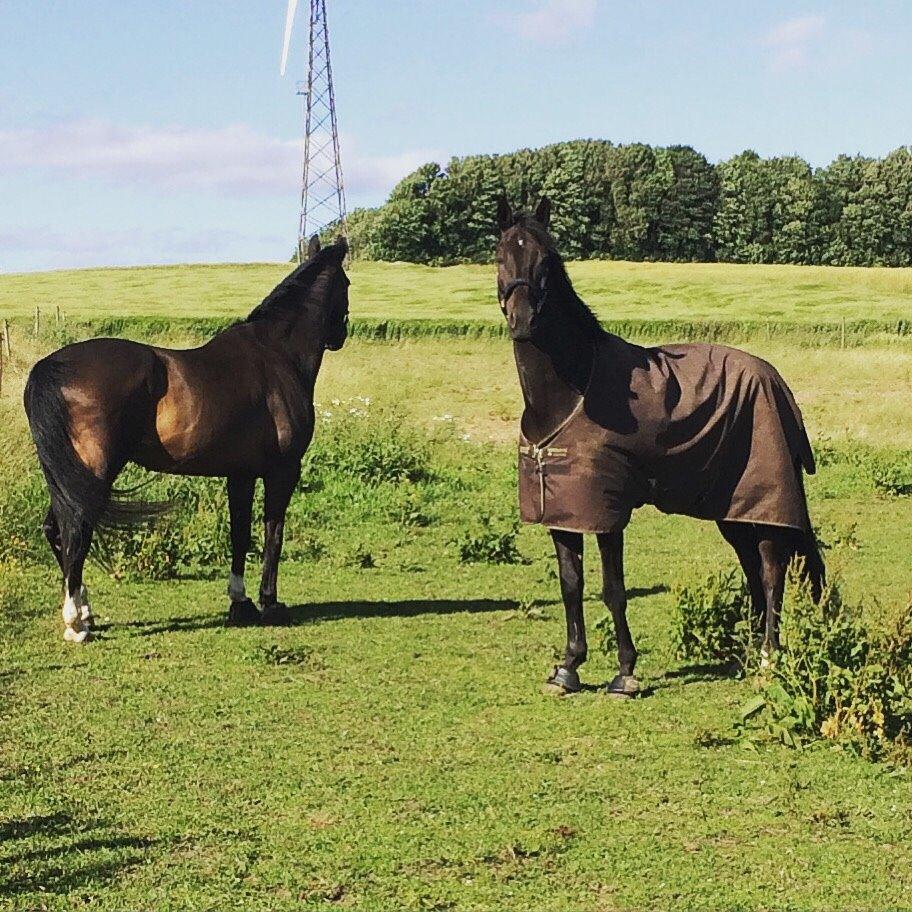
{"points": [[241, 611], [279, 486], [52, 534], [776, 547], [743, 538], [614, 594], [75, 543], [569, 548]]}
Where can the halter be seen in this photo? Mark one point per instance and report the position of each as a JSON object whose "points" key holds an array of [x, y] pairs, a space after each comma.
{"points": [[537, 302]]}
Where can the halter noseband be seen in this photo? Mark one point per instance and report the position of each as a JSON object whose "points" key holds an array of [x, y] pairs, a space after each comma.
{"points": [[537, 302]]}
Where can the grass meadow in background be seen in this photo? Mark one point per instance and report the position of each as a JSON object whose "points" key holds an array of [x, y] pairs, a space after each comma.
{"points": [[659, 292], [391, 750]]}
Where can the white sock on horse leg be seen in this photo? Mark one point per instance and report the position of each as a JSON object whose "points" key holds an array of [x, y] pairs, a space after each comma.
{"points": [[74, 630], [85, 608], [72, 613], [236, 590]]}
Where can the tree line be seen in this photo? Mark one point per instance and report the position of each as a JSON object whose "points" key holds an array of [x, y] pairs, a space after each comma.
{"points": [[638, 202]]}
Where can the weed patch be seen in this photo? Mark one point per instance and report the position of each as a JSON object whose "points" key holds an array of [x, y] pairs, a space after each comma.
{"points": [[894, 478], [837, 678], [489, 544], [713, 620]]}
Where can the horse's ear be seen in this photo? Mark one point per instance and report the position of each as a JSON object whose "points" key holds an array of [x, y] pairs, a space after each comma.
{"points": [[313, 247], [504, 213], [341, 248], [543, 212]]}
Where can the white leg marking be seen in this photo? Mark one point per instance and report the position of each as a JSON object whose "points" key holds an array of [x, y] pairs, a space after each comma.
{"points": [[86, 609], [236, 590], [74, 631], [71, 611]]}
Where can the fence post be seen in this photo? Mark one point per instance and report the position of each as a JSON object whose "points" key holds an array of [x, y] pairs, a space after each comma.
{"points": [[57, 315], [37, 320], [842, 335], [6, 341]]}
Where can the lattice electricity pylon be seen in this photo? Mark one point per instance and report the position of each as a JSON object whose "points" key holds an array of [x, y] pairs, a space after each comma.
{"points": [[322, 187]]}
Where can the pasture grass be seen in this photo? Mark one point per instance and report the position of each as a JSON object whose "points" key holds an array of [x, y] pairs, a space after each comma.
{"points": [[617, 291], [391, 750]]}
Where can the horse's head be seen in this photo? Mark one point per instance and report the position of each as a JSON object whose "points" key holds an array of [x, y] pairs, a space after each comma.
{"points": [[525, 256], [336, 300]]}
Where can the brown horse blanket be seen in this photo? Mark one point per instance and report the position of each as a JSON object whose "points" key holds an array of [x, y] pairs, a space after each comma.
{"points": [[703, 430]]}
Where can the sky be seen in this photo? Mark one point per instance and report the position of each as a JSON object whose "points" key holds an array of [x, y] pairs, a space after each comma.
{"points": [[161, 132]]}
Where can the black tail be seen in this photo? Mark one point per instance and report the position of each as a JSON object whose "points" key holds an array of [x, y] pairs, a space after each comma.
{"points": [[813, 567], [80, 500]]}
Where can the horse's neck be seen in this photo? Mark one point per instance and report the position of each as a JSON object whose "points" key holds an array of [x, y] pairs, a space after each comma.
{"points": [[294, 342], [553, 377]]}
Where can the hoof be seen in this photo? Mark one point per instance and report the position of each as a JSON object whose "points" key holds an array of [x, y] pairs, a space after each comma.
{"points": [[243, 614], [562, 682], [71, 635], [276, 615], [623, 687]]}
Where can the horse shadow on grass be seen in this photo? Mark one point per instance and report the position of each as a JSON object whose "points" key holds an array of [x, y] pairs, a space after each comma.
{"points": [[325, 611], [309, 613], [57, 853], [699, 673]]}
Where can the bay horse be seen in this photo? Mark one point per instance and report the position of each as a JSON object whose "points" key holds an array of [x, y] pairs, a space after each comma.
{"points": [[701, 430], [238, 407]]}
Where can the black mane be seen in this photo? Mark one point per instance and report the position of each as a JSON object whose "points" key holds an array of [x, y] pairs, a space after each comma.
{"points": [[286, 298], [561, 286]]}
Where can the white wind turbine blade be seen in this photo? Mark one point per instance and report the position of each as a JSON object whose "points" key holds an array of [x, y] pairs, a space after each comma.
{"points": [[289, 23]]}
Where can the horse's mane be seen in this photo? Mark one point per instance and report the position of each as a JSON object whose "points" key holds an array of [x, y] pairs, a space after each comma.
{"points": [[286, 298], [561, 286]]}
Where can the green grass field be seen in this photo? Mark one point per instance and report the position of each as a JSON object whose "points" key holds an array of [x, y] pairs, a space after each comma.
{"points": [[660, 292], [392, 750]]}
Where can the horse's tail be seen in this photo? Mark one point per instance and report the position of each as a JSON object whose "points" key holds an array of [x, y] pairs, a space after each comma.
{"points": [[812, 567], [80, 499]]}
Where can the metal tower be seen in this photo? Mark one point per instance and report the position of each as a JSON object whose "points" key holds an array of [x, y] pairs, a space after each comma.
{"points": [[322, 187]]}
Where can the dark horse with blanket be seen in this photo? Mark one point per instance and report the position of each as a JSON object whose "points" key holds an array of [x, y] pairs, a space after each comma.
{"points": [[702, 430], [240, 406]]}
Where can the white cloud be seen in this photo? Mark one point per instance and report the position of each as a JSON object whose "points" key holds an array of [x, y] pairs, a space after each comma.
{"points": [[549, 21], [371, 174], [791, 41], [47, 247], [234, 160], [812, 41]]}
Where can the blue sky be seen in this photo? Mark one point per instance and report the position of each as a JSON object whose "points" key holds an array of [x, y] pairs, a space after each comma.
{"points": [[152, 132]]}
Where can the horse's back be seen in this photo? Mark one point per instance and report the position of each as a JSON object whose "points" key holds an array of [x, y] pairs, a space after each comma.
{"points": [[712, 368], [110, 366]]}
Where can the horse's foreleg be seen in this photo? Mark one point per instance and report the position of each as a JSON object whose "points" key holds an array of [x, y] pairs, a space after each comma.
{"points": [[569, 547], [279, 486], [614, 594], [241, 611]]}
